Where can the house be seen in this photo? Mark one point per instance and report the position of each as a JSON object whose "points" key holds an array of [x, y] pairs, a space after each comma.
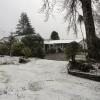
{"points": [[59, 45]]}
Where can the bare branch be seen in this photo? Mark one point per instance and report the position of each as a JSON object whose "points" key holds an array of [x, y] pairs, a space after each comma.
{"points": [[70, 6]]}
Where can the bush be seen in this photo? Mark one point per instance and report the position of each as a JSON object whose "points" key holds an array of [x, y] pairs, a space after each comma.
{"points": [[32, 41], [27, 52], [84, 67], [71, 50], [17, 49], [4, 49], [35, 44], [52, 50], [22, 60], [40, 52]]}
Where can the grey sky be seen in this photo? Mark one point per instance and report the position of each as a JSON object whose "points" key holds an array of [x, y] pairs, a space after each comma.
{"points": [[10, 11]]}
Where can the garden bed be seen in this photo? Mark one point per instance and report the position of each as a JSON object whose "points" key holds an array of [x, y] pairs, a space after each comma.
{"points": [[85, 75], [92, 74]]}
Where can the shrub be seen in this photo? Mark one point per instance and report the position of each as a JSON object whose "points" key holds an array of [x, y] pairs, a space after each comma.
{"points": [[22, 60], [40, 52], [52, 50], [17, 49], [71, 50], [32, 41], [87, 67], [35, 44], [27, 52], [84, 67], [4, 49]]}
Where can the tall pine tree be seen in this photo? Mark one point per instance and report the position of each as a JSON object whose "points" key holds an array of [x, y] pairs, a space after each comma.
{"points": [[24, 27]]}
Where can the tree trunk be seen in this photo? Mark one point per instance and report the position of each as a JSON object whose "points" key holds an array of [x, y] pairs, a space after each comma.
{"points": [[73, 58], [90, 29]]}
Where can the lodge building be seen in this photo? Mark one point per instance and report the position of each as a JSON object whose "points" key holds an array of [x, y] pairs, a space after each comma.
{"points": [[58, 44]]}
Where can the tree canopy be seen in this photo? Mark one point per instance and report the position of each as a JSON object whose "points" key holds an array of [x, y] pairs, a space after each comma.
{"points": [[55, 36], [24, 27], [35, 43]]}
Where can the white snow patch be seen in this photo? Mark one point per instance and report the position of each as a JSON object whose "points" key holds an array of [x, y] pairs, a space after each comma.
{"points": [[9, 60], [44, 80]]}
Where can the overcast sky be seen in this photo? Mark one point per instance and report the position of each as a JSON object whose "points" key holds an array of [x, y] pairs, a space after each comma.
{"points": [[10, 11]]}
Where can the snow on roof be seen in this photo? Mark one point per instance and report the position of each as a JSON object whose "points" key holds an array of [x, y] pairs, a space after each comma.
{"points": [[60, 41], [18, 37], [4, 39]]}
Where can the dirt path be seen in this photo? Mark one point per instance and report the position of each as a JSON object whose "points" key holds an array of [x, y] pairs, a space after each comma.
{"points": [[56, 56]]}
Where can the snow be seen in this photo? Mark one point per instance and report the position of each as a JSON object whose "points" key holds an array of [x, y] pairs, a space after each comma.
{"points": [[60, 41], [42, 79], [9, 60]]}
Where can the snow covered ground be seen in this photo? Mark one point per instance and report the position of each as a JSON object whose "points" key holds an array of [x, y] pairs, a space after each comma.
{"points": [[9, 60], [43, 79]]}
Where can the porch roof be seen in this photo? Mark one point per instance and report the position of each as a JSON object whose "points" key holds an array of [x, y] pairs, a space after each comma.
{"points": [[60, 41]]}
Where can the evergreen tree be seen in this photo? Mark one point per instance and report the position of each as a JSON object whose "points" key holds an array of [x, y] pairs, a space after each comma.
{"points": [[24, 27], [54, 36], [35, 44]]}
